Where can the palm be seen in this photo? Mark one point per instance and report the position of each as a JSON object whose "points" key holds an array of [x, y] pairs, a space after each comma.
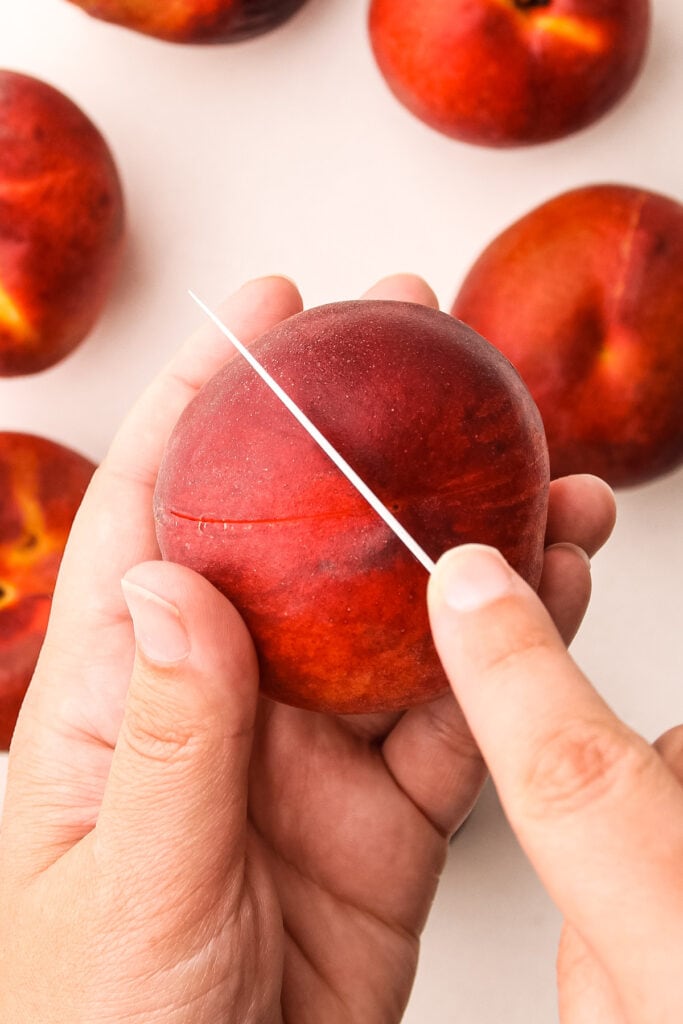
{"points": [[354, 861]]}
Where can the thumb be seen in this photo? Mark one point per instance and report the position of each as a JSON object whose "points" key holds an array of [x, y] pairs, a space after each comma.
{"points": [[177, 788]]}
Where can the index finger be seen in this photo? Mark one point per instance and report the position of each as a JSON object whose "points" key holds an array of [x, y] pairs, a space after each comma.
{"points": [[598, 812]]}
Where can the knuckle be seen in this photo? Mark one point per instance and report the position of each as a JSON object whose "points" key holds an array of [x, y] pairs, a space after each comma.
{"points": [[532, 645], [449, 730], [579, 765], [573, 955], [111, 472], [154, 735], [669, 746]]}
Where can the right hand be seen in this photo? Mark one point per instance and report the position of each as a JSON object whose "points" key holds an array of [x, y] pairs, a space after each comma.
{"points": [[598, 810]]}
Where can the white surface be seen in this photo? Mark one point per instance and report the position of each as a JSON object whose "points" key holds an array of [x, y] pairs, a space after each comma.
{"points": [[288, 154]]}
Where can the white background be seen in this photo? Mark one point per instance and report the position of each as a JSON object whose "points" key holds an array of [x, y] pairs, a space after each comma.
{"points": [[288, 154]]}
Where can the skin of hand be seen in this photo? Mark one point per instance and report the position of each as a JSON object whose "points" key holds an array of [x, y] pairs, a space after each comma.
{"points": [[598, 810], [176, 849]]}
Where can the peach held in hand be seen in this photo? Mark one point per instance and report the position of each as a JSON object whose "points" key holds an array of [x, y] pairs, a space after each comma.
{"points": [[194, 21], [509, 72], [585, 296], [434, 420], [61, 223], [41, 487]]}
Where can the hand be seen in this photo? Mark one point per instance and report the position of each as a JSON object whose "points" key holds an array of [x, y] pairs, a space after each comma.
{"points": [[598, 810], [175, 849]]}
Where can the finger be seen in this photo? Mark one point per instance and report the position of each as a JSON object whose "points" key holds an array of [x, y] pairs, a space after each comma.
{"points": [[669, 746], [434, 759], [432, 754], [597, 811], [403, 288], [581, 515], [581, 511], [178, 778], [565, 587], [586, 993]]}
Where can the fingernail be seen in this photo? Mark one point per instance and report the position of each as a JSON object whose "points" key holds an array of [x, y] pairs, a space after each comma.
{"points": [[159, 629], [473, 576], [574, 548], [258, 281]]}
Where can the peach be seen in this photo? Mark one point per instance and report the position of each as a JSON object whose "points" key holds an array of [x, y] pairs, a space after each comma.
{"points": [[434, 420], [194, 21], [41, 487], [585, 296], [509, 72], [61, 223]]}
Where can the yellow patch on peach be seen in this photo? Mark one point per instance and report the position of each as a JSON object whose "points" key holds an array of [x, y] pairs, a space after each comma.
{"points": [[8, 594], [621, 355], [579, 31], [38, 541], [13, 319]]}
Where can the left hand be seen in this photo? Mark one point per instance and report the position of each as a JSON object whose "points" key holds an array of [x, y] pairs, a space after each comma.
{"points": [[176, 849]]}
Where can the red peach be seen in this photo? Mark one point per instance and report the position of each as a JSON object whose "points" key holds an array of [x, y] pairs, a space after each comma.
{"points": [[509, 72], [41, 487], [434, 420], [194, 21], [585, 296], [61, 223]]}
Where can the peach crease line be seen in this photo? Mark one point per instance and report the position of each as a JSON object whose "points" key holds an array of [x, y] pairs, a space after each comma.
{"points": [[340, 462]]}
